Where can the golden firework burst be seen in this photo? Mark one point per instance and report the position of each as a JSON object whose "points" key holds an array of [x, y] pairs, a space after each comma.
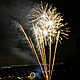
{"points": [[48, 28], [47, 22]]}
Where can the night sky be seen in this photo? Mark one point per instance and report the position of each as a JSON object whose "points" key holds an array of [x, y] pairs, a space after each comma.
{"points": [[11, 45]]}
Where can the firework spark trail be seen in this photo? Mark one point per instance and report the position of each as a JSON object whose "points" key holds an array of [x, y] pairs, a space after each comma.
{"points": [[37, 56], [49, 56], [25, 35], [41, 48], [44, 62], [32, 46], [57, 39]]}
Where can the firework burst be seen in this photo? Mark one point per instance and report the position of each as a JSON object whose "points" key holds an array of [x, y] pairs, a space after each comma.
{"points": [[47, 22], [48, 28]]}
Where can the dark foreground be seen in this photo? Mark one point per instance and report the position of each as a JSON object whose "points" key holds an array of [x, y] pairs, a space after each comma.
{"points": [[33, 72]]}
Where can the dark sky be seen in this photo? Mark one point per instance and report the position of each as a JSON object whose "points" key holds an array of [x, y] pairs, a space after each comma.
{"points": [[9, 54]]}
